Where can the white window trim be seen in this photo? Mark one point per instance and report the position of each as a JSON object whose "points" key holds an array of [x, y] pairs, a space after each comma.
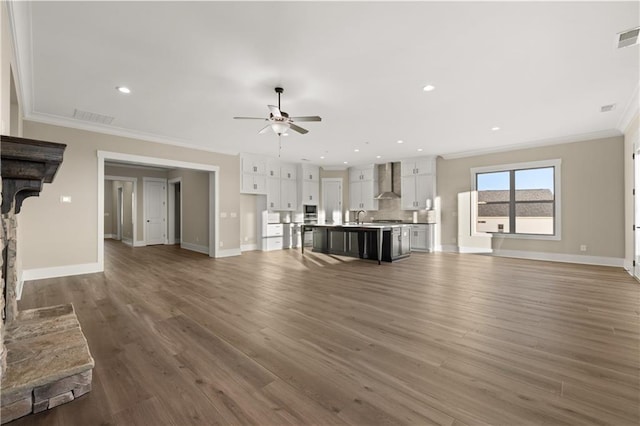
{"points": [[557, 180]]}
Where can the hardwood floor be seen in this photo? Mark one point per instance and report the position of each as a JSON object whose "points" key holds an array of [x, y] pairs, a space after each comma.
{"points": [[280, 338]]}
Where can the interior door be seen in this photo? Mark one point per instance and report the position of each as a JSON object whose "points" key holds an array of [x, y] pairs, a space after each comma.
{"points": [[332, 201], [119, 215], [155, 212], [636, 201]]}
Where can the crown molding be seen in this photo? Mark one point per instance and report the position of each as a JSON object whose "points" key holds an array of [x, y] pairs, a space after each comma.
{"points": [[630, 111], [535, 144], [118, 131]]}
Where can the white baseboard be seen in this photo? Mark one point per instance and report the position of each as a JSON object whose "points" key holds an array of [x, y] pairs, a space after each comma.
{"points": [[58, 271], [109, 236], [20, 285], [561, 257], [229, 252], [194, 247], [138, 243], [475, 250], [628, 266], [127, 241], [448, 248], [249, 247]]}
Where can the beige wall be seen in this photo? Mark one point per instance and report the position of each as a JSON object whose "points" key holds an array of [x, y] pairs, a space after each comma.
{"points": [[248, 219], [592, 196], [73, 239], [631, 137], [194, 190]]}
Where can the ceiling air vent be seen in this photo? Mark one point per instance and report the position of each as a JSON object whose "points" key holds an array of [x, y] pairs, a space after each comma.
{"points": [[628, 38], [92, 116], [607, 108]]}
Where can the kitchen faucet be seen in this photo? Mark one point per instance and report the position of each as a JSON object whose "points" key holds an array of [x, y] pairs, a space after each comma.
{"points": [[358, 216]]}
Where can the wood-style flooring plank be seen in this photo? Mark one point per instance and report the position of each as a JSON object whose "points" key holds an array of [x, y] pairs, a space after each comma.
{"points": [[283, 338]]}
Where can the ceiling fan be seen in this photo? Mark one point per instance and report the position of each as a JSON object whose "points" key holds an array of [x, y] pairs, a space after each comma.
{"points": [[279, 121]]}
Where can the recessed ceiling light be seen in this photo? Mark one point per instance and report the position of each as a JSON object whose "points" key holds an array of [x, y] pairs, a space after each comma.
{"points": [[378, 156], [400, 141], [419, 149], [495, 128], [345, 162], [428, 88], [123, 89], [322, 157], [356, 150]]}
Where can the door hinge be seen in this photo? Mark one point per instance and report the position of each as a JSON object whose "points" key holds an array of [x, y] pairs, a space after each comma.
{"points": [[633, 156], [634, 191], [634, 227], [634, 263]]}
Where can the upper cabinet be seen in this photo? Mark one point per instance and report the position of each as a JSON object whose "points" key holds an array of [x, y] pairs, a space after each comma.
{"points": [[363, 186], [418, 182], [419, 166], [281, 186], [308, 185], [253, 179]]}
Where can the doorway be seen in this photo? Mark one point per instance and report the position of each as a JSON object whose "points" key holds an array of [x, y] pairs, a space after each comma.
{"points": [[119, 213], [331, 210], [175, 210]]}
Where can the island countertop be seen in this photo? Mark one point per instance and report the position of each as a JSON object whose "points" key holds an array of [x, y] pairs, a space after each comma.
{"points": [[376, 228]]}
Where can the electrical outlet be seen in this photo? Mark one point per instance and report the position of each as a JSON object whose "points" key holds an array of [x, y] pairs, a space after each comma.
{"points": [[197, 239], [221, 244], [246, 238], [583, 247]]}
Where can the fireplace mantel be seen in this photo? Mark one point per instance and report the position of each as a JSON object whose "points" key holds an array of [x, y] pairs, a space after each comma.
{"points": [[26, 165]]}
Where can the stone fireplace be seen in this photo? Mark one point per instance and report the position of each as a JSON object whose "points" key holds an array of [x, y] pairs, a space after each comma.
{"points": [[44, 356]]}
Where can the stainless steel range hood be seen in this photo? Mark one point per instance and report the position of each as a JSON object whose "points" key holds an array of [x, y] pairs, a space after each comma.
{"points": [[386, 186]]}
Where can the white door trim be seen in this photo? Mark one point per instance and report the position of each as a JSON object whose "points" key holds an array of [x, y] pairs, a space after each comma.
{"points": [[214, 183], [171, 205], [327, 180], [144, 207], [134, 210]]}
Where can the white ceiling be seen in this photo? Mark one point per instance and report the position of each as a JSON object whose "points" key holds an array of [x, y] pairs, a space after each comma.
{"points": [[539, 71]]}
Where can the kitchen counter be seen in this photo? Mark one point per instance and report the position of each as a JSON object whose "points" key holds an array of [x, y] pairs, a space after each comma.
{"points": [[381, 241]]}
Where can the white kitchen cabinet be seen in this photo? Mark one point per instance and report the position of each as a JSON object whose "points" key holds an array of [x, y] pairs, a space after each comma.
{"points": [[273, 194], [310, 193], [308, 185], [288, 194], [253, 176], [416, 190], [273, 169], [418, 166], [281, 186], [288, 171], [422, 237], [253, 164], [363, 186], [309, 172], [418, 183]]}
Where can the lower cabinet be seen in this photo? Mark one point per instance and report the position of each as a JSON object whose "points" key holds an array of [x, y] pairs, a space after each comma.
{"points": [[422, 237]]}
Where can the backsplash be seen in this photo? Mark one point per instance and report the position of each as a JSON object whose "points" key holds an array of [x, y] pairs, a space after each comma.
{"points": [[391, 209]]}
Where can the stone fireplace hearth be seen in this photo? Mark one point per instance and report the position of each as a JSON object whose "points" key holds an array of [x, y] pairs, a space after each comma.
{"points": [[45, 359]]}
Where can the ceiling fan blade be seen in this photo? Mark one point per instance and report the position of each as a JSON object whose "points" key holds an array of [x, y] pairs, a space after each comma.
{"points": [[250, 118], [275, 111], [307, 118], [298, 129], [264, 129]]}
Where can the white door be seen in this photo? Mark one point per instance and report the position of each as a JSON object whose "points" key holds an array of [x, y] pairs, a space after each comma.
{"points": [[636, 201], [155, 212], [332, 201]]}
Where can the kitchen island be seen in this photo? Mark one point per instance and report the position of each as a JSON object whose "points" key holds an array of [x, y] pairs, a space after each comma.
{"points": [[381, 242]]}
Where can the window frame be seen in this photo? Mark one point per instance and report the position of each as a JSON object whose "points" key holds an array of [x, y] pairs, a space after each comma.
{"points": [[557, 179]]}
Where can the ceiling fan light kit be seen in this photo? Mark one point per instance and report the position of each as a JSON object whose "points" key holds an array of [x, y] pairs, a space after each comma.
{"points": [[279, 121]]}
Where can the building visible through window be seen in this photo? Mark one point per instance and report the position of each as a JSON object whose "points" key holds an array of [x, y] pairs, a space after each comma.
{"points": [[517, 201]]}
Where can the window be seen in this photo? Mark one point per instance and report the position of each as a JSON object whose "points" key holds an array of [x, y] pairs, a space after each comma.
{"points": [[518, 200]]}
